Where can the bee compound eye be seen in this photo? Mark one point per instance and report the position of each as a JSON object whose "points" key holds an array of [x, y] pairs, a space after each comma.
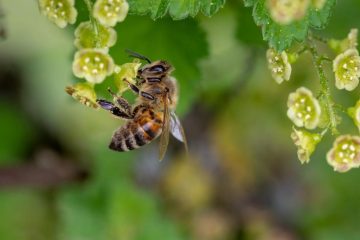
{"points": [[157, 69]]}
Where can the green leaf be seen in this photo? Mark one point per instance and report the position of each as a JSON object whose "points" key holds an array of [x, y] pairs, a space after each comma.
{"points": [[182, 43], [246, 31], [319, 19], [179, 9], [282, 37]]}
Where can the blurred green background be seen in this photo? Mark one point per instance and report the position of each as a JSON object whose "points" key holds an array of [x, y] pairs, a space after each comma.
{"points": [[242, 179]]}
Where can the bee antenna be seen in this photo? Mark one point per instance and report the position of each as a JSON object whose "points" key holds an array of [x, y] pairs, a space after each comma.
{"points": [[137, 55]]}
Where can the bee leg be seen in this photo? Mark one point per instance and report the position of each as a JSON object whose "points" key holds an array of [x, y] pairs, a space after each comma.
{"points": [[136, 90], [122, 102], [132, 86], [113, 109]]}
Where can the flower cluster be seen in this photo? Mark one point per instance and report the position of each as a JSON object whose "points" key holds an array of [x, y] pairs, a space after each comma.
{"points": [[345, 153], [61, 12], [286, 11], [279, 65], [309, 112], [93, 39]]}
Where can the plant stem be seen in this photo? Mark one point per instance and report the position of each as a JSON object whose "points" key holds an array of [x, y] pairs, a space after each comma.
{"points": [[320, 38], [325, 88], [93, 21]]}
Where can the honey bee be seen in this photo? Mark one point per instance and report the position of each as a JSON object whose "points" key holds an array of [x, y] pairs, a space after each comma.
{"points": [[153, 114]]}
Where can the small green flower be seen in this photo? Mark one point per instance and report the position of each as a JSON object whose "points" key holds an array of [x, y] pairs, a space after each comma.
{"points": [[109, 12], [346, 67], [352, 38], [345, 153], [93, 65], [306, 143], [354, 113], [279, 65], [85, 36], [84, 93], [303, 108], [61, 12], [318, 4], [351, 41], [286, 11], [128, 72]]}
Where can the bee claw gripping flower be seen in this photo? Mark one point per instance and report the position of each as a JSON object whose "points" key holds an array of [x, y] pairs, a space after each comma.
{"points": [[61, 12], [279, 65], [345, 153], [303, 108], [93, 65]]}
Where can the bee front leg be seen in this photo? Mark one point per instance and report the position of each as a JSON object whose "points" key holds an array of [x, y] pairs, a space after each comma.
{"points": [[132, 86], [141, 93], [113, 109], [122, 102]]}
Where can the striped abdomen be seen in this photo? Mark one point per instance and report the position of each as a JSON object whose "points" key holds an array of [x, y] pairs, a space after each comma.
{"points": [[137, 132]]}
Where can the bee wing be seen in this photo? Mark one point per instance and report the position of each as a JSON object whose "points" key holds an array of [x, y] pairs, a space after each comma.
{"points": [[164, 138], [177, 130]]}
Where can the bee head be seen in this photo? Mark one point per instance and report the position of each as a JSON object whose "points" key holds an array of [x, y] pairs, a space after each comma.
{"points": [[155, 71]]}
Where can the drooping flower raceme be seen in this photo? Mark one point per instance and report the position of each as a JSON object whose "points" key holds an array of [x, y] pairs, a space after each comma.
{"points": [[109, 12], [61, 12], [303, 108], [85, 36], [286, 11], [345, 153], [93, 65], [306, 143], [279, 65], [346, 67], [84, 93]]}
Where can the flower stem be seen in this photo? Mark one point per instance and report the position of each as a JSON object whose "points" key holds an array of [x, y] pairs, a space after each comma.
{"points": [[93, 21], [320, 38], [325, 88]]}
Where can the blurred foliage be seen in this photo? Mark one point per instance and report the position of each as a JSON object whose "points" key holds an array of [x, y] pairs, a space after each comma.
{"points": [[281, 37], [242, 179], [177, 9]]}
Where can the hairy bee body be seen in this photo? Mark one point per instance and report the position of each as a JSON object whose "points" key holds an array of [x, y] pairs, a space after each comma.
{"points": [[145, 127], [153, 114]]}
